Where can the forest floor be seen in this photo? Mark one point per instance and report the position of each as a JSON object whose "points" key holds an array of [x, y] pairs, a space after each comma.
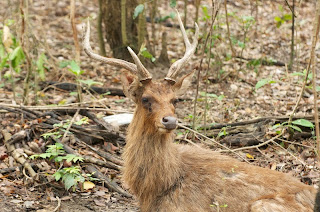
{"points": [[232, 97]]}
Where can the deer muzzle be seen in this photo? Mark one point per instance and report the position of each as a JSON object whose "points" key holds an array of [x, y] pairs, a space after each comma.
{"points": [[169, 122]]}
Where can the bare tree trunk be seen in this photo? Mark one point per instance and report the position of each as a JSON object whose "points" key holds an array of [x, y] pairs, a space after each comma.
{"points": [[113, 32], [197, 2], [141, 26], [124, 23], [153, 30], [100, 34], [74, 31]]}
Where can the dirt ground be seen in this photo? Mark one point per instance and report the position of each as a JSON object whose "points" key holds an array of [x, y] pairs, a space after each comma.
{"points": [[233, 80]]}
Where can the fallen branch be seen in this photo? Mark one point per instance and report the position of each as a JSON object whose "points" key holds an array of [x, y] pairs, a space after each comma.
{"points": [[107, 182], [16, 155]]}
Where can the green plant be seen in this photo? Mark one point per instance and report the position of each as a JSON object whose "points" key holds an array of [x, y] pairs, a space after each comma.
{"points": [[246, 23], [303, 74], [264, 82], [75, 69], [255, 64], [146, 54], [223, 132], [70, 176], [283, 18], [139, 9], [293, 125], [11, 54]]}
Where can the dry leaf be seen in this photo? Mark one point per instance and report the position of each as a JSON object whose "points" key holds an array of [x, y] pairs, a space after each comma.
{"points": [[6, 39], [88, 185], [249, 156]]}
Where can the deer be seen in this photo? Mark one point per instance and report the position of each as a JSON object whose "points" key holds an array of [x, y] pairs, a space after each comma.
{"points": [[166, 176]]}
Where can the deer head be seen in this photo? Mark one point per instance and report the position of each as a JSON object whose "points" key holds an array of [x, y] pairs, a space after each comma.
{"points": [[155, 99]]}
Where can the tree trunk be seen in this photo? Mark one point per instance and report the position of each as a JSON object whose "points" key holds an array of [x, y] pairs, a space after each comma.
{"points": [[112, 21]]}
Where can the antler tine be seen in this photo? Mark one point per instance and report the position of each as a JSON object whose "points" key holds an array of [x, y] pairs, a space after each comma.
{"points": [[143, 73], [190, 49], [111, 61]]}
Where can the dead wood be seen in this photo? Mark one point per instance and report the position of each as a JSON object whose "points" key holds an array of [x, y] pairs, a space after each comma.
{"points": [[18, 137], [15, 168], [87, 158], [99, 122], [104, 154], [107, 182], [67, 86], [253, 121], [253, 132], [265, 62], [91, 132], [16, 155]]}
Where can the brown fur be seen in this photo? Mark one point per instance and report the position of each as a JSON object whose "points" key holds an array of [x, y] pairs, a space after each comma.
{"points": [[165, 176]]}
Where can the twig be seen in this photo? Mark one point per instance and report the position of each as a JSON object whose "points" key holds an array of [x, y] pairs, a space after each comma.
{"points": [[214, 141], [291, 9], [59, 204], [207, 81], [107, 182], [213, 18], [228, 30], [103, 154], [314, 76], [256, 146], [67, 107], [292, 36], [70, 124], [289, 153]]}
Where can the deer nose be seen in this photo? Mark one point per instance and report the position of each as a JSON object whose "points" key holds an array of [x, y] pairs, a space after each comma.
{"points": [[169, 122]]}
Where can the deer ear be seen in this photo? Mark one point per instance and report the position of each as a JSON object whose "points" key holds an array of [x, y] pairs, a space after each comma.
{"points": [[130, 84], [183, 84]]}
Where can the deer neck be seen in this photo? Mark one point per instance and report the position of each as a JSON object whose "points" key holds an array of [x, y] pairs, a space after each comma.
{"points": [[151, 161]]}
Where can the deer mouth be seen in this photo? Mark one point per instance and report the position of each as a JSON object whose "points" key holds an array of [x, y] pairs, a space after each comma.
{"points": [[164, 130]]}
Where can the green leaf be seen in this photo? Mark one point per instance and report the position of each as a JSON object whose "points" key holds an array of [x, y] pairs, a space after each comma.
{"points": [[9, 22], [4, 62], [277, 19], [173, 3], [64, 63], [75, 68], [263, 82], [2, 50], [298, 74], [146, 54], [15, 53], [295, 128], [17, 57], [57, 175], [287, 17], [303, 122], [69, 181], [241, 44], [275, 126], [90, 82], [120, 100], [40, 66], [139, 9]]}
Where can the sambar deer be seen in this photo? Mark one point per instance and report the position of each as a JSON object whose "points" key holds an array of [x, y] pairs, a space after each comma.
{"points": [[165, 176]]}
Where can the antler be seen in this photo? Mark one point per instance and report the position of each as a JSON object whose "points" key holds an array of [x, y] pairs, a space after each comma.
{"points": [[137, 69], [190, 49]]}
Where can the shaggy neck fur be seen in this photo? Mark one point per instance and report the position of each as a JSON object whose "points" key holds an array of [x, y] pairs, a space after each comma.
{"points": [[149, 157]]}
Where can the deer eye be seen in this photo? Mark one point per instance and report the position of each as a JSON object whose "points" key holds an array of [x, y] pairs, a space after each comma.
{"points": [[144, 100]]}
